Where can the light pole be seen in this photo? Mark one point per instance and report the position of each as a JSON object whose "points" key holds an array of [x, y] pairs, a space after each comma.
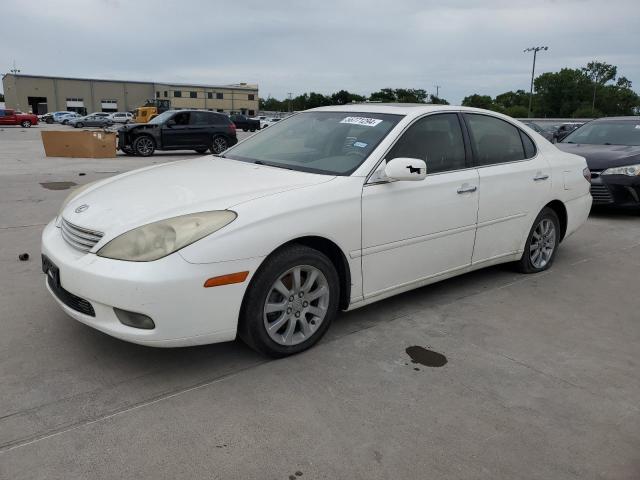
{"points": [[535, 51], [14, 70]]}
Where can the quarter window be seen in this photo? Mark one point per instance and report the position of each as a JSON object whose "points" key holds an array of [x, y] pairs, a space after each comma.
{"points": [[436, 139], [529, 146], [494, 140]]}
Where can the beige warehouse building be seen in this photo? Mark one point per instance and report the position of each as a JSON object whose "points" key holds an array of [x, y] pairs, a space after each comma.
{"points": [[39, 94]]}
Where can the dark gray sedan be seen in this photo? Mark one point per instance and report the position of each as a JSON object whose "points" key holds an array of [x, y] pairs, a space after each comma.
{"points": [[91, 121]]}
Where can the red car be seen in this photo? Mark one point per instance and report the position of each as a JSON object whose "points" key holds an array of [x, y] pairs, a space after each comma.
{"points": [[10, 117]]}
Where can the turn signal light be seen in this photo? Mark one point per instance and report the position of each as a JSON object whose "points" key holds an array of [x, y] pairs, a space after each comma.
{"points": [[228, 279]]}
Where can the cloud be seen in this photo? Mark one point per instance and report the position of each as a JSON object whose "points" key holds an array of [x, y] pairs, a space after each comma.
{"points": [[290, 46]]}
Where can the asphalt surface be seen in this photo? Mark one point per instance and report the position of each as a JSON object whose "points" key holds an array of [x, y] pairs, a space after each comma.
{"points": [[531, 377]]}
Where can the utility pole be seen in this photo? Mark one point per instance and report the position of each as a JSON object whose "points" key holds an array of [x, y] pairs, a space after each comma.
{"points": [[14, 70], [437, 90], [289, 94], [535, 51]]}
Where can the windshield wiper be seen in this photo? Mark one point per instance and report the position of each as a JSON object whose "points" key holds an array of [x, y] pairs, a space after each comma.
{"points": [[260, 162]]}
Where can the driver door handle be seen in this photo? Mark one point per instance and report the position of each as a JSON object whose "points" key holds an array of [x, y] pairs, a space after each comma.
{"points": [[540, 176], [465, 188]]}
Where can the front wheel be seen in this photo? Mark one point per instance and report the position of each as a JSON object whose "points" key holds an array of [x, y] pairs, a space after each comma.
{"points": [[26, 123], [144, 146], [290, 303], [542, 244], [201, 150], [219, 144], [79, 125]]}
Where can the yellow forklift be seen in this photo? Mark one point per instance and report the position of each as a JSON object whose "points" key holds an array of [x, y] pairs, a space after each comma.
{"points": [[150, 110]]}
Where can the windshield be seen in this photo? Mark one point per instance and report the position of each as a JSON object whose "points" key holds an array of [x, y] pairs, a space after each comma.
{"points": [[333, 143], [163, 117], [613, 132]]}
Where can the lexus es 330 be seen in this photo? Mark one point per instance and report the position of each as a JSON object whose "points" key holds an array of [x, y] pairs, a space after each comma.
{"points": [[328, 210]]}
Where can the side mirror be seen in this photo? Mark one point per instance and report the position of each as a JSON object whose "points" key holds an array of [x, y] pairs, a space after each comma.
{"points": [[406, 169]]}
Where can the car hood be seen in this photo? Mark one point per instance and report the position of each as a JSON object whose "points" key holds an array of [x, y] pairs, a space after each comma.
{"points": [[138, 126], [600, 157], [163, 191]]}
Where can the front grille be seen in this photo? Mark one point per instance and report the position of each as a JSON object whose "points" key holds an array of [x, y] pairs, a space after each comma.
{"points": [[70, 300], [601, 195], [80, 238]]}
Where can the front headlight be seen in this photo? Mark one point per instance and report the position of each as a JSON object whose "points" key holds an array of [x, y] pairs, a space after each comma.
{"points": [[159, 239], [630, 170]]}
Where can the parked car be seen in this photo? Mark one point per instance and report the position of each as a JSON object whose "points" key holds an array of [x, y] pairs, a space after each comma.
{"points": [[64, 120], [179, 130], [564, 130], [538, 129], [11, 117], [121, 117], [612, 149], [267, 121], [333, 208], [91, 121], [245, 123], [55, 117]]}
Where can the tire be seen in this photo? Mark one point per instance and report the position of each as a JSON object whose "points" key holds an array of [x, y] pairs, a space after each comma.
{"points": [[201, 150], [252, 130], [79, 125], [128, 150], [302, 318], [244, 129], [49, 121], [144, 146], [219, 144], [545, 229], [26, 123]]}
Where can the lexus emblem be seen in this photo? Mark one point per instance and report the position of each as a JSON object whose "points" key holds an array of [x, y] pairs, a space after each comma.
{"points": [[82, 208]]}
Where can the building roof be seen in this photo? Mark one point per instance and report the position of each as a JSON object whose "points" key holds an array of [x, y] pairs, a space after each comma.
{"points": [[236, 86]]}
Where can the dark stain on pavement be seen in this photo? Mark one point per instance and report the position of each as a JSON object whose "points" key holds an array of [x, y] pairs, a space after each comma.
{"points": [[58, 185], [425, 357]]}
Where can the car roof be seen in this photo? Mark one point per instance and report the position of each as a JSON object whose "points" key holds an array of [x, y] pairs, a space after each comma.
{"points": [[401, 108]]}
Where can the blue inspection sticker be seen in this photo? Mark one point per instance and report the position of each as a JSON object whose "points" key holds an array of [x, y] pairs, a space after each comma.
{"points": [[360, 144]]}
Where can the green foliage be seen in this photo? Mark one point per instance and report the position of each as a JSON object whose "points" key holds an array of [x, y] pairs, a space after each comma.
{"points": [[399, 95], [517, 111], [586, 112], [438, 101], [478, 101]]}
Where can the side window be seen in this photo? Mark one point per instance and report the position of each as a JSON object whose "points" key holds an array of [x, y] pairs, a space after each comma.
{"points": [[529, 146], [494, 140], [181, 118], [436, 139], [201, 118]]}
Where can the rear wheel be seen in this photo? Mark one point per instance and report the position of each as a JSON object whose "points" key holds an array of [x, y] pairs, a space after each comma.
{"points": [[542, 244], [79, 125], [26, 123], [219, 144], [290, 303], [144, 146]]}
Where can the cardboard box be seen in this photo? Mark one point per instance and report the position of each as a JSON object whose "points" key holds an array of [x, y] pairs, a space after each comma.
{"points": [[79, 144]]}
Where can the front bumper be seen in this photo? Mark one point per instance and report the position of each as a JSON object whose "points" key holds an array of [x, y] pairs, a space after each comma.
{"points": [[620, 191], [169, 290]]}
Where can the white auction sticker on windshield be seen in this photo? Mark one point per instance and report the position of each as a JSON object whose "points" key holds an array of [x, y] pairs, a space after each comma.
{"points": [[367, 122]]}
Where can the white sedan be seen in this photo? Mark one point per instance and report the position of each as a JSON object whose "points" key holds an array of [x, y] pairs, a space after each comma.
{"points": [[330, 209]]}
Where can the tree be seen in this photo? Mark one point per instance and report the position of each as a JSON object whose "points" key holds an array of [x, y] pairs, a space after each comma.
{"points": [[599, 73], [438, 101], [517, 111], [519, 98], [399, 95], [343, 97], [478, 101], [559, 94]]}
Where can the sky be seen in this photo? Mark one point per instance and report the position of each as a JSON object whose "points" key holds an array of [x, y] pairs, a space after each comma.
{"points": [[464, 46]]}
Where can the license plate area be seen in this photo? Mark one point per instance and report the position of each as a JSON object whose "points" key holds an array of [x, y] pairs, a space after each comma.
{"points": [[51, 271]]}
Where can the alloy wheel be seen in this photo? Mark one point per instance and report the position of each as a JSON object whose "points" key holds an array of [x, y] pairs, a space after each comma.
{"points": [[144, 146], [219, 144], [296, 305], [543, 243]]}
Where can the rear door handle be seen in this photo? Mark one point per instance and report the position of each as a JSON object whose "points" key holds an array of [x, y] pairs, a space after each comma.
{"points": [[539, 177], [465, 188]]}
